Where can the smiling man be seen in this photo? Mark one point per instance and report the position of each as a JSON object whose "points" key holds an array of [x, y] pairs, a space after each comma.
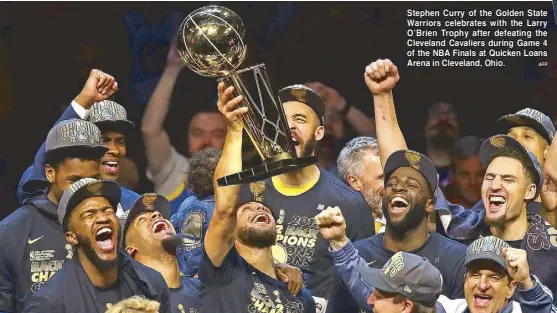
{"points": [[98, 274], [409, 196], [150, 239]]}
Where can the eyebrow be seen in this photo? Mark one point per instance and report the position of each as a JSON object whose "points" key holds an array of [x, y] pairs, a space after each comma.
{"points": [[96, 209], [502, 176], [299, 115]]}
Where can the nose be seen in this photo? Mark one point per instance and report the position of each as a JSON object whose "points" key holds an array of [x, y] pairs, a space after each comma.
{"points": [[156, 215], [372, 298], [496, 183], [483, 285]]}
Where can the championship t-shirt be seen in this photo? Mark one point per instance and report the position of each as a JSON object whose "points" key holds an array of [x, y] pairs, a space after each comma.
{"points": [[32, 249], [299, 242], [236, 286], [445, 254], [185, 299]]}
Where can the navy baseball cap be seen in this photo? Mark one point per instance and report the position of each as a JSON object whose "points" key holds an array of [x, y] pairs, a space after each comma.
{"points": [[501, 143], [486, 248], [306, 95], [408, 274], [531, 118], [86, 188], [108, 112], [75, 133], [149, 202], [415, 160]]}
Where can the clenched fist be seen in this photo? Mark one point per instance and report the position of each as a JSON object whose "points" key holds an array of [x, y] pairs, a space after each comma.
{"points": [[517, 266], [381, 76], [332, 227], [98, 87]]}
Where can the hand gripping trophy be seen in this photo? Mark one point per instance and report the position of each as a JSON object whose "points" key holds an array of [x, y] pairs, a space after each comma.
{"points": [[211, 43]]}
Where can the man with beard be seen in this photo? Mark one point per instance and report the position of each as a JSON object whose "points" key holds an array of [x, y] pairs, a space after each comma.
{"points": [[359, 166], [91, 104], [295, 197], [151, 240], [33, 247], [98, 274], [514, 180], [441, 132], [237, 268], [409, 196]]}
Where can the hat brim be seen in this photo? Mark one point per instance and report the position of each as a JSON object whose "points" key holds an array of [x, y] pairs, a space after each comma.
{"points": [[95, 152], [373, 277], [105, 188], [124, 125], [163, 207], [509, 121], [484, 257]]}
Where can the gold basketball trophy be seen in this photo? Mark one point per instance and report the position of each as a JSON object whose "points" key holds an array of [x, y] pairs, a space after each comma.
{"points": [[211, 43]]}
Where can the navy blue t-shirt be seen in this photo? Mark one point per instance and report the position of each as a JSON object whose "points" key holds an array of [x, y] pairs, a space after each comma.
{"points": [[185, 299], [236, 286], [445, 254], [299, 242], [32, 249]]}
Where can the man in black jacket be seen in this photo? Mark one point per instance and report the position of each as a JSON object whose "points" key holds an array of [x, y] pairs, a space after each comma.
{"points": [[33, 246], [98, 275]]}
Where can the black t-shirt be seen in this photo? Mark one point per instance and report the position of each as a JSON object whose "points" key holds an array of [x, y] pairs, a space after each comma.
{"points": [[445, 254], [108, 296], [32, 249], [186, 298], [299, 242], [236, 286]]}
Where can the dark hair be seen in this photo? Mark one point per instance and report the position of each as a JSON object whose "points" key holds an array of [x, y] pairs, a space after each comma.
{"points": [[529, 171], [56, 157], [201, 171], [467, 147], [418, 307]]}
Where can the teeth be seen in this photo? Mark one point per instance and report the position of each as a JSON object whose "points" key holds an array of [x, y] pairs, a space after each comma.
{"points": [[483, 297], [497, 199], [397, 200], [157, 224], [112, 163], [258, 216], [104, 230]]}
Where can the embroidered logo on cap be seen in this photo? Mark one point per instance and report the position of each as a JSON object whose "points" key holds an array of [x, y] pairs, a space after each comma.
{"points": [[498, 141], [149, 201], [394, 266], [531, 113], [299, 94], [413, 158]]}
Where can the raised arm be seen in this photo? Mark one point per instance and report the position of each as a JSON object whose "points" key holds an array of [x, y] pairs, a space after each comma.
{"points": [[219, 238], [157, 142], [381, 77]]}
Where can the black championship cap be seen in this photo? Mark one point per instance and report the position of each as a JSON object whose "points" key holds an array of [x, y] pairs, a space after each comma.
{"points": [[499, 143], [86, 188], [75, 133], [149, 202], [408, 274], [415, 160], [531, 118], [306, 95], [487, 248], [109, 113]]}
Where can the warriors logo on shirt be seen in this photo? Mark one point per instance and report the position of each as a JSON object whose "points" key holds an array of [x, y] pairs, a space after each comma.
{"points": [[261, 302], [192, 231], [295, 241]]}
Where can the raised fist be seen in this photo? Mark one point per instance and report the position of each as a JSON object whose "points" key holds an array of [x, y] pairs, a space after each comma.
{"points": [[98, 87], [517, 266], [381, 76], [332, 227]]}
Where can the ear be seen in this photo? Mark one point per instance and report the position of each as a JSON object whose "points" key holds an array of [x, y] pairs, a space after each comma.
{"points": [[510, 293], [429, 205], [71, 238], [319, 133], [49, 172], [354, 183], [530, 192], [131, 251], [408, 306]]}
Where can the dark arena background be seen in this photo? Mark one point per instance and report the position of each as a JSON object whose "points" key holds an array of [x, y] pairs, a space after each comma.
{"points": [[48, 49]]}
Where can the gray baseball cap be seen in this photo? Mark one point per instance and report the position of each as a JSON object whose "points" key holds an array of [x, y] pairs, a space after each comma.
{"points": [[408, 274], [498, 143], [487, 248], [87, 188], [75, 133], [109, 112], [531, 118]]}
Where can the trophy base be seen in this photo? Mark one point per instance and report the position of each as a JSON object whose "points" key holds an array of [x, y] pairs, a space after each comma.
{"points": [[265, 171]]}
